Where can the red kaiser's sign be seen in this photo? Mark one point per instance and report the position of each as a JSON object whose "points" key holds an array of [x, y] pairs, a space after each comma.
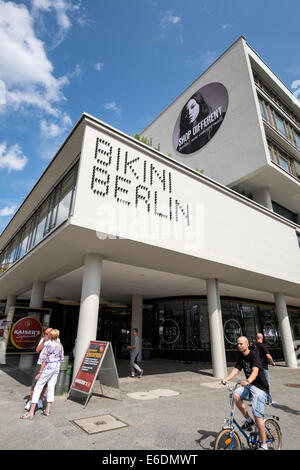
{"points": [[26, 333]]}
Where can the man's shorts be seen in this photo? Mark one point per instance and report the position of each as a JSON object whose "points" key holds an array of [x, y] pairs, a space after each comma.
{"points": [[257, 397]]}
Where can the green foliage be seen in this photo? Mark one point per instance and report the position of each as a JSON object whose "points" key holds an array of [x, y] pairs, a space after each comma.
{"points": [[141, 139]]}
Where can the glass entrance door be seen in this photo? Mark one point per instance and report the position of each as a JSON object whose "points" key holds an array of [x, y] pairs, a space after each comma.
{"points": [[114, 325]]}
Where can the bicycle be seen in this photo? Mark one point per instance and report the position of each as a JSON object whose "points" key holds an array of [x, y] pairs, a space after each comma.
{"points": [[229, 439]]}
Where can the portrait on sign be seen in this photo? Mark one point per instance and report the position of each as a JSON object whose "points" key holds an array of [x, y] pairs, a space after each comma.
{"points": [[200, 118]]}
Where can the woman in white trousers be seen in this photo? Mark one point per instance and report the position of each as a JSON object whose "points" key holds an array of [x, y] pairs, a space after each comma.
{"points": [[52, 356]]}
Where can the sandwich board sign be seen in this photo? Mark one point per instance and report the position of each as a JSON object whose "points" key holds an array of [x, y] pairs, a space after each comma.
{"points": [[98, 362]]}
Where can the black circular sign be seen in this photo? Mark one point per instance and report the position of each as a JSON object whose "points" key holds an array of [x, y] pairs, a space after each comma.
{"points": [[169, 331], [200, 118]]}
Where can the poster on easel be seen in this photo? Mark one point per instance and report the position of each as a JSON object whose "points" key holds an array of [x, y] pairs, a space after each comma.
{"points": [[98, 362]]}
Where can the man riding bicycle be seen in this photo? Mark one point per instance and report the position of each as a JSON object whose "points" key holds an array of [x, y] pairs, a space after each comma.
{"points": [[255, 388]]}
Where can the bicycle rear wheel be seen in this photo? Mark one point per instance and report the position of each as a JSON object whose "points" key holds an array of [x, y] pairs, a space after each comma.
{"points": [[274, 436], [227, 440]]}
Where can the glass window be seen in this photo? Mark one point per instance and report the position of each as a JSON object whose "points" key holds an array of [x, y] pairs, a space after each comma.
{"points": [[269, 326], [40, 223], [280, 125], [25, 237], [172, 330], [64, 199], [197, 328], [273, 158], [290, 133], [284, 163], [284, 212], [294, 316], [55, 209], [250, 320], [11, 251], [48, 225], [297, 137], [262, 109], [2, 255], [232, 323], [3, 264]]}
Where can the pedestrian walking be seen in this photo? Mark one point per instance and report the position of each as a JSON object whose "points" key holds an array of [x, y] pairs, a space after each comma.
{"points": [[264, 355], [134, 351]]}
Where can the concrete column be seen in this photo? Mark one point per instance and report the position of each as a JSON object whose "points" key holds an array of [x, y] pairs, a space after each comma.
{"points": [[37, 294], [137, 318], [10, 302], [89, 307], [221, 325], [216, 329], [285, 331], [263, 196], [36, 301]]}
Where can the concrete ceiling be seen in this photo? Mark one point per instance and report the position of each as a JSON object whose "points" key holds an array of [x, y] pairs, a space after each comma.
{"points": [[121, 281], [132, 268]]}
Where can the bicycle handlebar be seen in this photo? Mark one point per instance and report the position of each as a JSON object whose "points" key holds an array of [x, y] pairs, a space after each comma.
{"points": [[230, 388]]}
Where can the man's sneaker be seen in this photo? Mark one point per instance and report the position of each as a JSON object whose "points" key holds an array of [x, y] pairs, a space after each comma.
{"points": [[40, 405], [262, 448], [28, 405], [141, 373], [247, 425]]}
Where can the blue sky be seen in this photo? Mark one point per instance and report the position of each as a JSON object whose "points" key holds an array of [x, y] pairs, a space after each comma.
{"points": [[122, 61]]}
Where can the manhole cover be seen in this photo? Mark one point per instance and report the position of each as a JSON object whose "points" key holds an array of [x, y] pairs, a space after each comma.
{"points": [[293, 385], [97, 424]]}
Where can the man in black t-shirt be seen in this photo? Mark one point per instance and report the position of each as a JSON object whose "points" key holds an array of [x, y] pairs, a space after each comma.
{"points": [[254, 388]]}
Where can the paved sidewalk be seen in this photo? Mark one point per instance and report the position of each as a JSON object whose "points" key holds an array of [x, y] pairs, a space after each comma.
{"points": [[163, 420]]}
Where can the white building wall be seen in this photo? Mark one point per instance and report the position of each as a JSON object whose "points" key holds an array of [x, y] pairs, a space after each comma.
{"points": [[125, 190], [238, 148]]}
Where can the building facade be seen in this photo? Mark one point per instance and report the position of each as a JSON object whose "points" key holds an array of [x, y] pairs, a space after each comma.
{"points": [[193, 237]]}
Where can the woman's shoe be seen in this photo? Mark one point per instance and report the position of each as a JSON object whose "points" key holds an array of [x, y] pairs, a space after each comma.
{"points": [[45, 413], [26, 416]]}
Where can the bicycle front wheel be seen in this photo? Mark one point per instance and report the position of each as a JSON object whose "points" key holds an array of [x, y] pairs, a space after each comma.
{"points": [[274, 436], [227, 440]]}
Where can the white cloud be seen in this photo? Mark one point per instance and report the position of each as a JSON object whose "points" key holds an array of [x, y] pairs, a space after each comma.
{"points": [[76, 73], [2, 92], [99, 66], [168, 18], [167, 22], [63, 10], [7, 211], [12, 158], [55, 129], [203, 61], [25, 69], [113, 107], [225, 26]]}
